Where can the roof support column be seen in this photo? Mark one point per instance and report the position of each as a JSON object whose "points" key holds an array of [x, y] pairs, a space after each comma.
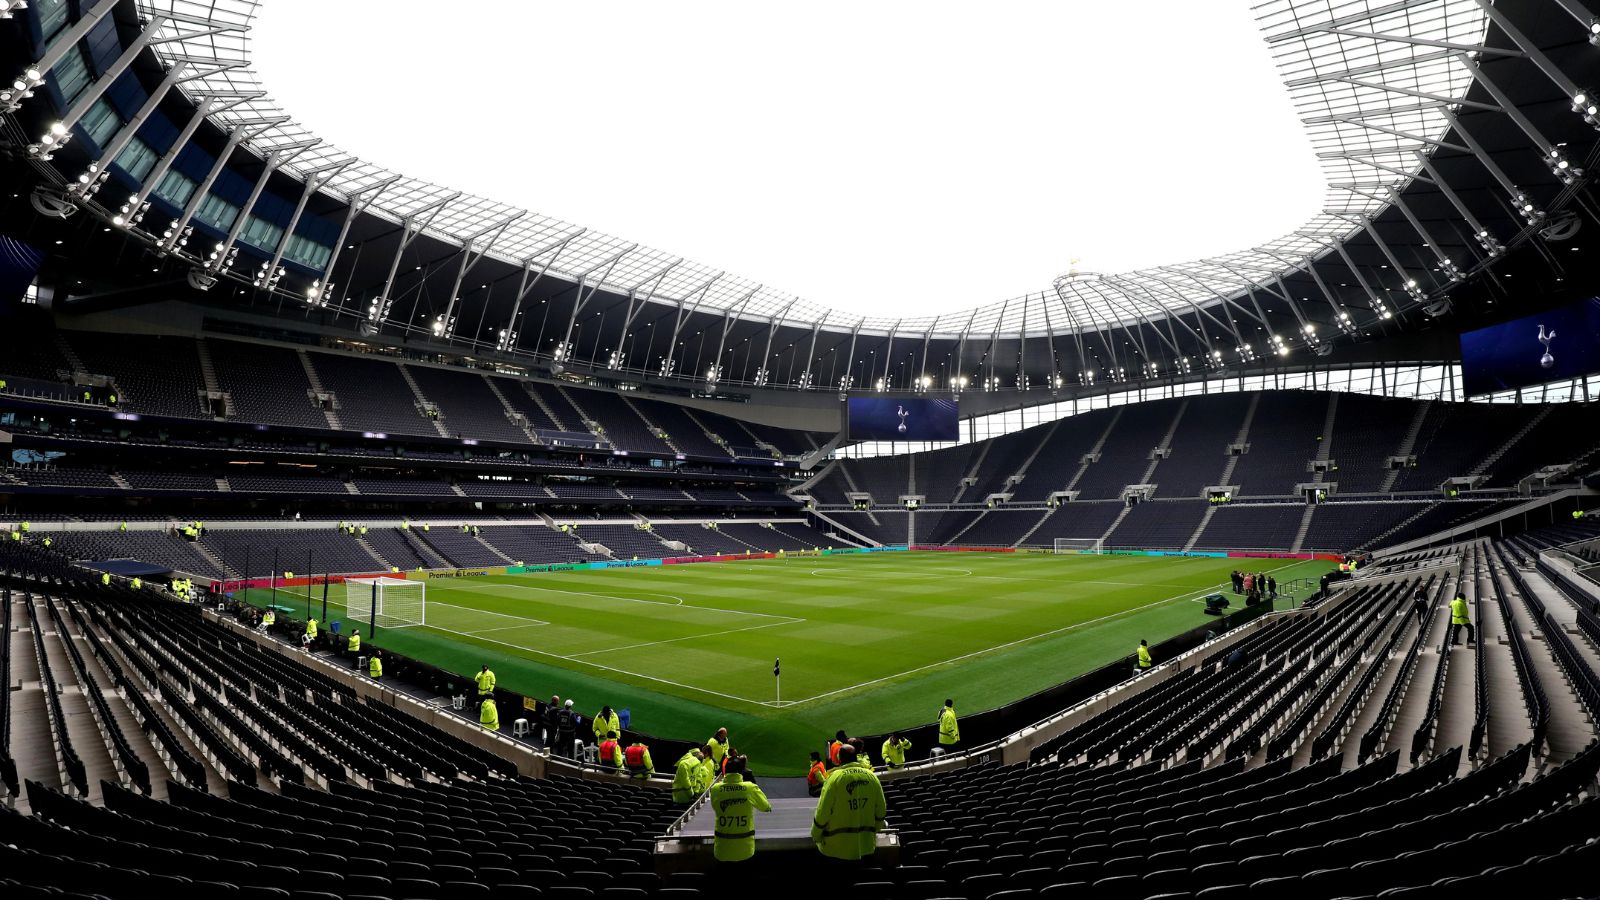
{"points": [[31, 77], [563, 350], [763, 374], [321, 290], [669, 363], [61, 131], [411, 227], [445, 326]]}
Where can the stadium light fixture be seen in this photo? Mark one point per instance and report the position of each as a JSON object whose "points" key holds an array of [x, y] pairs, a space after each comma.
{"points": [[1526, 208], [505, 340], [878, 385], [803, 384], [20, 90], [171, 241], [1561, 167], [7, 7], [317, 294], [762, 376], [713, 374], [668, 364], [614, 362], [1584, 102]]}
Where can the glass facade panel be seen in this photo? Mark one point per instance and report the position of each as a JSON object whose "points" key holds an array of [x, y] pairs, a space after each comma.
{"points": [[217, 212], [176, 188], [137, 159], [100, 122]]}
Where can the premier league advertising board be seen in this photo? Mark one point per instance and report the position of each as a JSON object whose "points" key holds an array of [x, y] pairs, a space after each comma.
{"points": [[902, 419], [1554, 345]]}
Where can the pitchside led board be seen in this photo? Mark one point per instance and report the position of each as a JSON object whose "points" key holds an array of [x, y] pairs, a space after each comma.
{"points": [[1555, 345], [902, 419]]}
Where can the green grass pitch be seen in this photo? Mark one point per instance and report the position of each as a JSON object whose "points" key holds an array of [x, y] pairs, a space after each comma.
{"points": [[869, 642]]}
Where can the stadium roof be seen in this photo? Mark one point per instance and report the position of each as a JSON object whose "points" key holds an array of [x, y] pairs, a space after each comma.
{"points": [[1371, 81]]}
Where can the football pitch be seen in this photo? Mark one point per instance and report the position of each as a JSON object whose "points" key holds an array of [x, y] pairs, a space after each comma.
{"points": [[869, 642]]}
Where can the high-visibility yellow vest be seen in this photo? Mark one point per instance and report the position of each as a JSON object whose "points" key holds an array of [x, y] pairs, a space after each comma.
{"points": [[355, 642], [735, 802], [1458, 612], [485, 682], [489, 716], [850, 813], [611, 753], [311, 628], [375, 667], [894, 753], [686, 779], [1144, 657], [604, 725], [949, 729]]}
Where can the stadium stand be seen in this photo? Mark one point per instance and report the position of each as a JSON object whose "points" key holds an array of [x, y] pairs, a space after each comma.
{"points": [[1127, 451], [1237, 526], [372, 395], [1158, 524], [467, 405], [265, 383], [1283, 439], [158, 374]]}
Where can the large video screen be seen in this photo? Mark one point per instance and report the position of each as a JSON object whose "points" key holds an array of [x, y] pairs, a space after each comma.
{"points": [[1554, 345], [902, 419]]}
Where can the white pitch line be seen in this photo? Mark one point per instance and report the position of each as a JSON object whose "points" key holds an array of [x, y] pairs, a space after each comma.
{"points": [[489, 612], [1004, 646], [686, 638], [498, 586], [612, 669]]}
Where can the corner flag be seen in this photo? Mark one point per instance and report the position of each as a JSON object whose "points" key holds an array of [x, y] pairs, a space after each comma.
{"points": [[775, 668]]}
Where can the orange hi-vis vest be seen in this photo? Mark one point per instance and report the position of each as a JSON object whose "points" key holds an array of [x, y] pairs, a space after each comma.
{"points": [[608, 752], [635, 756], [818, 773], [833, 751]]}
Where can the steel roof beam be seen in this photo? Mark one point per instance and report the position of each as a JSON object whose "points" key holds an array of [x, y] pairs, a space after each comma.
{"points": [[1530, 50], [311, 184], [1369, 68], [1363, 16], [1423, 42], [354, 206], [411, 228], [1544, 144], [508, 335], [469, 260], [669, 364], [68, 40], [564, 349], [1425, 95]]}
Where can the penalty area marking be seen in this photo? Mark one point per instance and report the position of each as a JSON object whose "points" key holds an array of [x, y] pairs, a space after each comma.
{"points": [[484, 588]]}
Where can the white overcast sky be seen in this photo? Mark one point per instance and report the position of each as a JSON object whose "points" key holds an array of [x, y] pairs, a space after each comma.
{"points": [[887, 157]]}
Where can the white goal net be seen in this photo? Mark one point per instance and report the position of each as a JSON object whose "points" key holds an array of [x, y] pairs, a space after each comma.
{"points": [[386, 602], [1080, 545]]}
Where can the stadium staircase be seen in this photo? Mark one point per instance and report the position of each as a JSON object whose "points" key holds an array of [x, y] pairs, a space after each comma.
{"points": [[1241, 439], [1027, 462], [215, 560], [1485, 464], [372, 551], [512, 416], [850, 533], [317, 389], [1094, 452], [1303, 529], [527, 387], [80, 372], [1407, 444], [971, 476], [650, 426], [718, 439], [421, 402], [421, 546], [588, 422], [208, 376]]}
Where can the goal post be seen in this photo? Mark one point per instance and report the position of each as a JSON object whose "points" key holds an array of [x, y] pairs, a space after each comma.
{"points": [[386, 602], [1080, 545]]}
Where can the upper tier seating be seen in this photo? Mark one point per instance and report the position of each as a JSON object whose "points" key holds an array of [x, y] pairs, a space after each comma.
{"points": [[1126, 453], [1283, 440], [1060, 458], [1366, 432], [1455, 437], [1199, 446], [1564, 436], [939, 472], [468, 406], [622, 426], [158, 374], [684, 432], [372, 394], [265, 384]]}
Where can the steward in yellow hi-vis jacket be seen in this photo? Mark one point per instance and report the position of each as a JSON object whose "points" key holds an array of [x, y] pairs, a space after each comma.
{"points": [[686, 780], [851, 810], [949, 729], [894, 751], [735, 801]]}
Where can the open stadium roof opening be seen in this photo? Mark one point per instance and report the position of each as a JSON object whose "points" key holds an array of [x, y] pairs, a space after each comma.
{"points": [[1372, 85], [902, 158]]}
